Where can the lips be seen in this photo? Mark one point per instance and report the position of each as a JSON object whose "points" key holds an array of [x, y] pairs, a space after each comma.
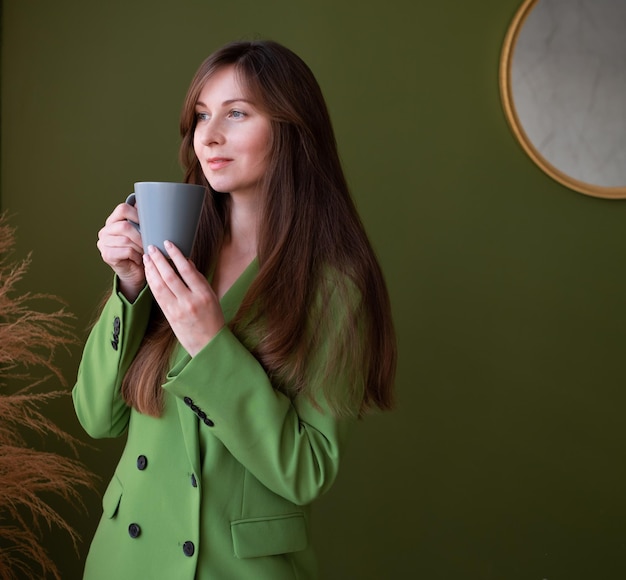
{"points": [[216, 163]]}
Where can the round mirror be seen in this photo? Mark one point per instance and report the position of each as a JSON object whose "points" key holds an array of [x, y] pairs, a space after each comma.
{"points": [[563, 88]]}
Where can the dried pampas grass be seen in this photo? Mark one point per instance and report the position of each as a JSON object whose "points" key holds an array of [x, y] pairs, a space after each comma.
{"points": [[29, 339]]}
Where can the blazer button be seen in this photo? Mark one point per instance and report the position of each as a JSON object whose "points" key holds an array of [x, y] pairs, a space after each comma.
{"points": [[134, 531], [142, 462], [116, 333], [194, 483], [188, 549], [188, 401], [208, 422]]}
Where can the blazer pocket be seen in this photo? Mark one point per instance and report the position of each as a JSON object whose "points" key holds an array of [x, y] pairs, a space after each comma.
{"points": [[269, 536], [112, 497]]}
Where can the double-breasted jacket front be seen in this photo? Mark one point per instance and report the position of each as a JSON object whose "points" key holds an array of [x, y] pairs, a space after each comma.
{"points": [[219, 486]]}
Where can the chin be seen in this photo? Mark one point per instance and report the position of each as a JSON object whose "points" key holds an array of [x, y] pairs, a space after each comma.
{"points": [[218, 186]]}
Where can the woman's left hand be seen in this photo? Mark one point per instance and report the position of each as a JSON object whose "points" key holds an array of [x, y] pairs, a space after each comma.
{"points": [[186, 298]]}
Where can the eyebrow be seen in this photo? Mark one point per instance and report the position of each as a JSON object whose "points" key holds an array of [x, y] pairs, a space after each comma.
{"points": [[227, 102]]}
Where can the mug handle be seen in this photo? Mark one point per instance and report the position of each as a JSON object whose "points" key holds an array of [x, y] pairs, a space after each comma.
{"points": [[131, 200]]}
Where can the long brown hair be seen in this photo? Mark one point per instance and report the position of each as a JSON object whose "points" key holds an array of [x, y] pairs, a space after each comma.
{"points": [[315, 260]]}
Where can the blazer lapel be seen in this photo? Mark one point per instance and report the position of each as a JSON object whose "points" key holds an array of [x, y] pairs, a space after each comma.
{"points": [[231, 301]]}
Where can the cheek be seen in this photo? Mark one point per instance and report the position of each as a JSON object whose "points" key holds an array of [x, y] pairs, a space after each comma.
{"points": [[257, 140], [262, 149]]}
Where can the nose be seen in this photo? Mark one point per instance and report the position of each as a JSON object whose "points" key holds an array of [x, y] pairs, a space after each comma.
{"points": [[209, 132]]}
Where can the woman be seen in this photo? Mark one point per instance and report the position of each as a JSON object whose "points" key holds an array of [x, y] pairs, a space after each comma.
{"points": [[237, 374]]}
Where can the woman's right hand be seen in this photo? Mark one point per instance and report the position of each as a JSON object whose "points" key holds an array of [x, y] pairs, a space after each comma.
{"points": [[120, 246]]}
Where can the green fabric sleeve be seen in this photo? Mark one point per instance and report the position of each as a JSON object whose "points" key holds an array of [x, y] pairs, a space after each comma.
{"points": [[291, 446], [109, 350]]}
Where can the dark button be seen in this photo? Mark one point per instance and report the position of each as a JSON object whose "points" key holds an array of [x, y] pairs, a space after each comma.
{"points": [[194, 483], [134, 531], [194, 408], [202, 415], [142, 462], [208, 422], [188, 548], [116, 333], [188, 401]]}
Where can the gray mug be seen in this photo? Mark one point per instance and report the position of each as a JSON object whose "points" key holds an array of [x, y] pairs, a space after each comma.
{"points": [[167, 211]]}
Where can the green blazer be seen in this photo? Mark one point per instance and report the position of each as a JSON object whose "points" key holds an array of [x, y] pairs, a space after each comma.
{"points": [[220, 486]]}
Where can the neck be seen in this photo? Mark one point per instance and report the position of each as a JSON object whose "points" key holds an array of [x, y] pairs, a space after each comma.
{"points": [[244, 226]]}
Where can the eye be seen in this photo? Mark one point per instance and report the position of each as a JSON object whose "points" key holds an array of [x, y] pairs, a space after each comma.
{"points": [[202, 117], [237, 114]]}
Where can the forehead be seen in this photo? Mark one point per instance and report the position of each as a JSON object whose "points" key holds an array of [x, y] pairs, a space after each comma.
{"points": [[225, 82]]}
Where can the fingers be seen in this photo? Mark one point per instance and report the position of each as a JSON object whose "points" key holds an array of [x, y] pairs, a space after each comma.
{"points": [[120, 247], [162, 278], [119, 233], [123, 211], [186, 268], [122, 239], [184, 275], [185, 297]]}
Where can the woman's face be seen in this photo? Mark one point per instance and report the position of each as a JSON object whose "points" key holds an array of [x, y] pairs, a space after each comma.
{"points": [[232, 137]]}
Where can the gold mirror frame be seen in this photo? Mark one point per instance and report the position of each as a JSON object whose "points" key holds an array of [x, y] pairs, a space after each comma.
{"points": [[506, 95]]}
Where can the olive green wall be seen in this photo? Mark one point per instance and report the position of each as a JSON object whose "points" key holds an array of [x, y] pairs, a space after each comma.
{"points": [[504, 459]]}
